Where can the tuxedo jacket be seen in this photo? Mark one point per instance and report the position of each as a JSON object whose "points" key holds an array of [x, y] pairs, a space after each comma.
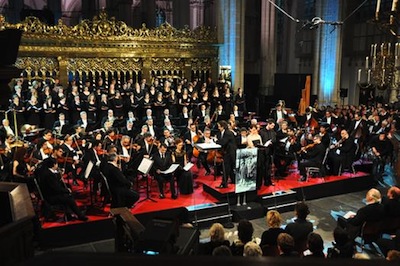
{"points": [[228, 143], [65, 128], [115, 177], [160, 163]]}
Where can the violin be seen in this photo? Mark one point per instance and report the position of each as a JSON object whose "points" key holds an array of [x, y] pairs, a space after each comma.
{"points": [[62, 160], [307, 147]]}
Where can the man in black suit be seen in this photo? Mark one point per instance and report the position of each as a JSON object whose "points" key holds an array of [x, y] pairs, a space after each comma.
{"points": [[54, 191], [382, 149], [61, 126], [268, 136], [227, 140], [162, 161], [374, 211], [312, 156], [341, 153], [122, 194], [85, 123], [278, 114]]}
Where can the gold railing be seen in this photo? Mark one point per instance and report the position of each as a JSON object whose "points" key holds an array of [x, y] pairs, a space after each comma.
{"points": [[104, 47]]}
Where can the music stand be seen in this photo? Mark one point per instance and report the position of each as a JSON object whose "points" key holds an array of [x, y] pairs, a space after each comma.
{"points": [[144, 168], [203, 147], [87, 173]]}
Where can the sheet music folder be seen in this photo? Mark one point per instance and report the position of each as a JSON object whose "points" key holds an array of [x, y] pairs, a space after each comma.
{"points": [[207, 146], [145, 166]]}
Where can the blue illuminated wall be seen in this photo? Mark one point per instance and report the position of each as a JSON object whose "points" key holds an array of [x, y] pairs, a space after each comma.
{"points": [[228, 47], [329, 49]]}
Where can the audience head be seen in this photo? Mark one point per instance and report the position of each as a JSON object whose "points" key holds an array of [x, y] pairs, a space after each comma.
{"points": [[274, 219], [302, 210], [245, 231], [361, 256], [373, 196], [393, 255], [393, 193], [340, 236], [315, 243], [222, 251], [252, 249], [217, 233], [285, 243]]}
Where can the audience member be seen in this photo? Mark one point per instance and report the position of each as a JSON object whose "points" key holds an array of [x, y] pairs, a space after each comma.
{"points": [[269, 237], [315, 245], [251, 249], [245, 234], [301, 227], [286, 246], [343, 246], [222, 251], [217, 238]]}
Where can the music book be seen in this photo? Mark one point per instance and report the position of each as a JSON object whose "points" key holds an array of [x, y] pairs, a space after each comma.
{"points": [[207, 146], [171, 169], [88, 169], [145, 165], [188, 166], [349, 214]]}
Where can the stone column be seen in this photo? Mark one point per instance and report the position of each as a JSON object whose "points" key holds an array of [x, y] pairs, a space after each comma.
{"points": [[268, 48], [55, 7], [13, 13], [181, 13], [196, 13], [230, 25]]}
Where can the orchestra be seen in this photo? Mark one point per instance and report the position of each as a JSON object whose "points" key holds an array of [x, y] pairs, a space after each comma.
{"points": [[163, 122]]}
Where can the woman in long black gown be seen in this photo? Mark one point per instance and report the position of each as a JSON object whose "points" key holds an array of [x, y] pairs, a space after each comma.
{"points": [[184, 178]]}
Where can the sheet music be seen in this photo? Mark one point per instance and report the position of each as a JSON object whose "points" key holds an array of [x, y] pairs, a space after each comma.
{"points": [[171, 169], [349, 214], [188, 166], [208, 146], [268, 142], [88, 169], [145, 165]]}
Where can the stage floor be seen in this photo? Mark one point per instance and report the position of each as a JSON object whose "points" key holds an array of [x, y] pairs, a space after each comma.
{"points": [[206, 193]]}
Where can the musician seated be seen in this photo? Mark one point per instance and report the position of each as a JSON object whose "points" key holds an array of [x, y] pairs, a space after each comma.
{"points": [[85, 123], [152, 128], [341, 153], [190, 138], [108, 121], [172, 129], [129, 129], [285, 152], [313, 155], [70, 152], [5, 130], [382, 149], [149, 115], [162, 161], [61, 126], [203, 155], [43, 151], [22, 171], [54, 190], [167, 138], [121, 189], [323, 132]]}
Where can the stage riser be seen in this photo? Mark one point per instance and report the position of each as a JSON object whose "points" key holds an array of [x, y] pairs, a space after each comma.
{"points": [[230, 196], [335, 188], [204, 217]]}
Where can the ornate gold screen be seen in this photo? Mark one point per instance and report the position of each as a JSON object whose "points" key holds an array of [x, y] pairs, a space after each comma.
{"points": [[110, 49]]}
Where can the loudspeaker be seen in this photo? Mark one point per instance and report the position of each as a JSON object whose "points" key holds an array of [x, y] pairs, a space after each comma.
{"points": [[159, 237], [343, 92]]}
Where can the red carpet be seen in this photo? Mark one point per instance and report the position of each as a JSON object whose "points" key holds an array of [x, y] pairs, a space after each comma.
{"points": [[96, 212]]}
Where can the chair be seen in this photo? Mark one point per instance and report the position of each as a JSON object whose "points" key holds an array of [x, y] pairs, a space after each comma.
{"points": [[315, 171], [107, 196], [370, 232], [350, 167]]}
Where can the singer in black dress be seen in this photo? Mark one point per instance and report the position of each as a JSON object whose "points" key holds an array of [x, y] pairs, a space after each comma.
{"points": [[184, 178]]}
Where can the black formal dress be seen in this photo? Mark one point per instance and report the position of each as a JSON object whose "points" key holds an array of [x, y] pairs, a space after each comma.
{"points": [[184, 178]]}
